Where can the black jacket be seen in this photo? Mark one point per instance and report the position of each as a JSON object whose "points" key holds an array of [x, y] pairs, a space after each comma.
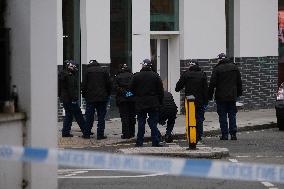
{"points": [[96, 85], [68, 86], [147, 88], [226, 79], [195, 82], [122, 86], [168, 107]]}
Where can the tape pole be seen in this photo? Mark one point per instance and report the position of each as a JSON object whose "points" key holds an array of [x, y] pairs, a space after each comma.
{"points": [[172, 166]]}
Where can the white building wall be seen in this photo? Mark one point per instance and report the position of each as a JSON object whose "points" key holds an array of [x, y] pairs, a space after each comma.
{"points": [[11, 173], [256, 28], [95, 31], [202, 28], [34, 56], [140, 32]]}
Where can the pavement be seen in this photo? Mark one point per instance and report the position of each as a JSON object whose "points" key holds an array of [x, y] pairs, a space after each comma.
{"points": [[246, 120]]}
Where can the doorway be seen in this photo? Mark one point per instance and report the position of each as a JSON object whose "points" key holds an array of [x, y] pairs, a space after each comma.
{"points": [[159, 57]]}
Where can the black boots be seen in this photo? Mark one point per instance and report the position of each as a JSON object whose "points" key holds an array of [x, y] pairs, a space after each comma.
{"points": [[67, 135], [234, 137], [224, 137], [101, 137], [168, 138]]}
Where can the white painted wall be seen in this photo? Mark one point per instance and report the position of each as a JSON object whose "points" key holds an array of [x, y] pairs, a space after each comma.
{"points": [[140, 32], [34, 56], [11, 173], [256, 28], [95, 31], [202, 28]]}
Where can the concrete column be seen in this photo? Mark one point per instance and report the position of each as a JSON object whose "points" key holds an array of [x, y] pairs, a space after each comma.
{"points": [[255, 28], [140, 32], [35, 51], [202, 28], [95, 31]]}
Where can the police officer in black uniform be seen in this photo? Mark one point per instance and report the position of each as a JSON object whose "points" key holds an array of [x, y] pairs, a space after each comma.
{"points": [[227, 82], [194, 80], [147, 88], [167, 115], [68, 88], [96, 89], [125, 101]]}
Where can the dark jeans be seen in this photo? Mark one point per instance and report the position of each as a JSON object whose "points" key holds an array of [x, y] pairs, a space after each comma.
{"points": [[101, 108], [127, 115], [227, 110], [152, 122], [72, 109], [199, 115]]}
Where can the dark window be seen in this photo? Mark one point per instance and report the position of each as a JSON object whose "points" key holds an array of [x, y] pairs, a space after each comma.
{"points": [[281, 41], [71, 33], [4, 57], [5, 65], [120, 33], [164, 15]]}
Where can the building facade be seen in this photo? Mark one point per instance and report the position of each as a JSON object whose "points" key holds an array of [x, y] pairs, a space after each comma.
{"points": [[174, 32]]}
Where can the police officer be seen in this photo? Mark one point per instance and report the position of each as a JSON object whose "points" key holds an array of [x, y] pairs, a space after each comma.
{"points": [[148, 90], [168, 113], [226, 80], [194, 80], [68, 89], [125, 101], [96, 89]]}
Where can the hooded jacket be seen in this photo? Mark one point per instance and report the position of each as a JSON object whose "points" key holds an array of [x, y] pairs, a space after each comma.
{"points": [[226, 80], [147, 88], [122, 85], [194, 80], [96, 85], [68, 86]]}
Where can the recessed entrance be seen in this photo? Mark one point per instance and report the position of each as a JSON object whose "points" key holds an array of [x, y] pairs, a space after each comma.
{"points": [[159, 56]]}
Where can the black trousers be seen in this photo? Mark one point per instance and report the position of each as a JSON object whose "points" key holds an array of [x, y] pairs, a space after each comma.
{"points": [[127, 115]]}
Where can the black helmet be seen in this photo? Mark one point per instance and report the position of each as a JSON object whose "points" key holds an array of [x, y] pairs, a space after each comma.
{"points": [[70, 65], [222, 56], [123, 67], [146, 62], [93, 61]]}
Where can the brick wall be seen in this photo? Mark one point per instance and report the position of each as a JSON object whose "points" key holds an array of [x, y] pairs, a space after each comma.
{"points": [[259, 77]]}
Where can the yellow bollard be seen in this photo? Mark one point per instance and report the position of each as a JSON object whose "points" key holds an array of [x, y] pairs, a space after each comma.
{"points": [[190, 122]]}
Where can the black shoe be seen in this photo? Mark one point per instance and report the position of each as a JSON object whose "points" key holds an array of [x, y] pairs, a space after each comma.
{"points": [[124, 137], [233, 137], [223, 137], [86, 136], [169, 138], [138, 145], [101, 137], [67, 135], [132, 136], [157, 145], [199, 139]]}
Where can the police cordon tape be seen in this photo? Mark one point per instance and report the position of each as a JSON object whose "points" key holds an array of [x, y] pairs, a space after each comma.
{"points": [[134, 163]]}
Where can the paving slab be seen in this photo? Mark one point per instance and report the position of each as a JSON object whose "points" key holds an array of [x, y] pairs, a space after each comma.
{"points": [[201, 151]]}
